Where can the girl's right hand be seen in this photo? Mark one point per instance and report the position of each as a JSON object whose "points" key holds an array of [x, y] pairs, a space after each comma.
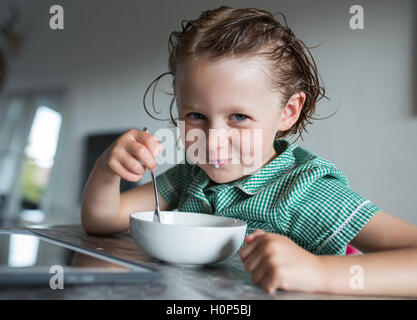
{"points": [[122, 157]]}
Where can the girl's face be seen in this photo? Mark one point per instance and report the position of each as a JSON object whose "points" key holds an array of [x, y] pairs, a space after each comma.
{"points": [[228, 113]]}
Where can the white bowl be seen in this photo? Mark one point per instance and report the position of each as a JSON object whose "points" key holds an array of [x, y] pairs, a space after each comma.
{"points": [[187, 238]]}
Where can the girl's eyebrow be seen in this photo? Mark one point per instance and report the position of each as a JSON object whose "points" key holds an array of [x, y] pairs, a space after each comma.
{"points": [[240, 109], [231, 109], [187, 107]]}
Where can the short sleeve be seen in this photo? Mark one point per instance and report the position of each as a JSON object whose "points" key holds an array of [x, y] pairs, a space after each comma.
{"points": [[323, 216], [171, 184]]}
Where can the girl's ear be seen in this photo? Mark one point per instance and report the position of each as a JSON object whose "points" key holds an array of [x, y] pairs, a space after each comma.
{"points": [[292, 110]]}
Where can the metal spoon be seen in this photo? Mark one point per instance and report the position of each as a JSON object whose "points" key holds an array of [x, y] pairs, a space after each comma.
{"points": [[156, 215]]}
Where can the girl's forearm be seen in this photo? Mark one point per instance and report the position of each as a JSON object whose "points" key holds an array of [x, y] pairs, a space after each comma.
{"points": [[101, 202], [388, 273]]}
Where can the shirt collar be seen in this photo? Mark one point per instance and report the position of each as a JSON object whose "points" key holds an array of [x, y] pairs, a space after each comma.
{"points": [[256, 182], [269, 173]]}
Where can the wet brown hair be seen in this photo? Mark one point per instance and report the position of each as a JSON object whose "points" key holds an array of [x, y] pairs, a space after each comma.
{"points": [[226, 32]]}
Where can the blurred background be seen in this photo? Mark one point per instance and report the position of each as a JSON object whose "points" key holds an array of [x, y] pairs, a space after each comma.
{"points": [[65, 95]]}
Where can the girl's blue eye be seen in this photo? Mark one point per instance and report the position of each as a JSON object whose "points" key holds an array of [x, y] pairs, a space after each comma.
{"points": [[240, 117], [195, 116]]}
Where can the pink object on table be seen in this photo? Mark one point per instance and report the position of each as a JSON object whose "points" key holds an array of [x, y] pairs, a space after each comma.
{"points": [[351, 250]]}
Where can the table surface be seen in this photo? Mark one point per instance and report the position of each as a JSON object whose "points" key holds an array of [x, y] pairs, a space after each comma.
{"points": [[222, 281]]}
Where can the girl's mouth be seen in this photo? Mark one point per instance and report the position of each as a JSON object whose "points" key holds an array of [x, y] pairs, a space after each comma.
{"points": [[219, 163]]}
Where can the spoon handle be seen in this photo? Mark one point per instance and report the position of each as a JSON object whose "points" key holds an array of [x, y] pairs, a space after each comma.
{"points": [[156, 216]]}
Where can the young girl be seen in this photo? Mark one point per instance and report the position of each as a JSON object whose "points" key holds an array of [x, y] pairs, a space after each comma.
{"points": [[240, 70]]}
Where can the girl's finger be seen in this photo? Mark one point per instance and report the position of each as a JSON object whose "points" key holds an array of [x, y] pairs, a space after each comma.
{"points": [[249, 248], [254, 235], [148, 140], [141, 153], [124, 173], [252, 262], [132, 165], [268, 283], [259, 273]]}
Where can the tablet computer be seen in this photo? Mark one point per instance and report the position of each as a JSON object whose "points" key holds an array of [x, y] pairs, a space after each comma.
{"points": [[31, 259]]}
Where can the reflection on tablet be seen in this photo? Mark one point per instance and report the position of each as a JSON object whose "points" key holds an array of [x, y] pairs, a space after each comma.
{"points": [[28, 259]]}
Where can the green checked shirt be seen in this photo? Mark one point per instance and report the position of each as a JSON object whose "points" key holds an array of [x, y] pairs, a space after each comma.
{"points": [[298, 194]]}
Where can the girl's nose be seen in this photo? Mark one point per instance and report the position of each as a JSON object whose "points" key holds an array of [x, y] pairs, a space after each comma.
{"points": [[218, 143]]}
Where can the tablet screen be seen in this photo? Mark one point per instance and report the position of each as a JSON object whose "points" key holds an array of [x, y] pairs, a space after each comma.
{"points": [[33, 258], [22, 250]]}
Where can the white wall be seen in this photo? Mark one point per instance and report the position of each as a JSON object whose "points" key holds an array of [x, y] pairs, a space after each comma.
{"points": [[109, 53]]}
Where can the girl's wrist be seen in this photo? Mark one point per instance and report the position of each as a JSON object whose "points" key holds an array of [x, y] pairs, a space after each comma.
{"points": [[322, 284], [102, 171]]}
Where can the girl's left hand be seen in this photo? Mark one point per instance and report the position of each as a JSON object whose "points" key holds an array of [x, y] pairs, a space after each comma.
{"points": [[276, 262]]}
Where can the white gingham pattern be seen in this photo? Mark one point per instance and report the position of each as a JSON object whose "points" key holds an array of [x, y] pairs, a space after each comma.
{"points": [[298, 194]]}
